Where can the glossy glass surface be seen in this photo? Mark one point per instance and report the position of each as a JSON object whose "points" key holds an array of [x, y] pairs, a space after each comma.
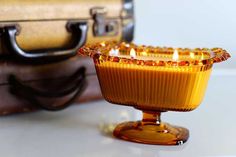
{"points": [[153, 79]]}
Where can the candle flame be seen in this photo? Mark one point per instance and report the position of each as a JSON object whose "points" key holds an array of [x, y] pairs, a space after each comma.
{"points": [[132, 53], [175, 55], [103, 44], [202, 56], [192, 55], [114, 52]]}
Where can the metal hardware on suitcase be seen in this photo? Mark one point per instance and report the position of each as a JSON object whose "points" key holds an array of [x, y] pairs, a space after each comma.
{"points": [[55, 29], [38, 42]]}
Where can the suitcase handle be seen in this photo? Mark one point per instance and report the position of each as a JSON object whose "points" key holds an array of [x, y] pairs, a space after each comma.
{"points": [[79, 29], [74, 84]]}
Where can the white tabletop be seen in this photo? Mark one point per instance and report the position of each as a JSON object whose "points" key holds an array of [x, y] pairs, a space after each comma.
{"points": [[79, 130]]}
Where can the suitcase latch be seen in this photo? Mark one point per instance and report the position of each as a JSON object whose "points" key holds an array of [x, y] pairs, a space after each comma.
{"points": [[103, 26]]}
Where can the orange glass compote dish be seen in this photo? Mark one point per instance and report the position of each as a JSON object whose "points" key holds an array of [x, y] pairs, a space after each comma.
{"points": [[154, 80]]}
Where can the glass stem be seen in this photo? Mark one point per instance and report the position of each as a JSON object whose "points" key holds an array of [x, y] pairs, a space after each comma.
{"points": [[151, 117]]}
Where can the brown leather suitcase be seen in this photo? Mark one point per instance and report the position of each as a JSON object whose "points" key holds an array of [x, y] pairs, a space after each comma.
{"points": [[39, 67]]}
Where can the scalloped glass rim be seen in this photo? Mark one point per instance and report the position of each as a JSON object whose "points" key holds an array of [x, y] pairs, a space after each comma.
{"points": [[97, 51]]}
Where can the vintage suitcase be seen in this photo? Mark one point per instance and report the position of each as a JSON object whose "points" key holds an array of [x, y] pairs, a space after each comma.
{"points": [[39, 67]]}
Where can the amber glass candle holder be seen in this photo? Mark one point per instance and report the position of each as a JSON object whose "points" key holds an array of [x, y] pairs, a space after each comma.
{"points": [[153, 80]]}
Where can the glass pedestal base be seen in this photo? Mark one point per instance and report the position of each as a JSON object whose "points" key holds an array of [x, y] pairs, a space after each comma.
{"points": [[151, 131]]}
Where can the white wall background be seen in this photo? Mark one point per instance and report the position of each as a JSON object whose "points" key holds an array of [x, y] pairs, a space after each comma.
{"points": [[188, 23]]}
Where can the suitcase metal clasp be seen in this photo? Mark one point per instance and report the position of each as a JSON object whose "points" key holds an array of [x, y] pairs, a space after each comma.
{"points": [[103, 26]]}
